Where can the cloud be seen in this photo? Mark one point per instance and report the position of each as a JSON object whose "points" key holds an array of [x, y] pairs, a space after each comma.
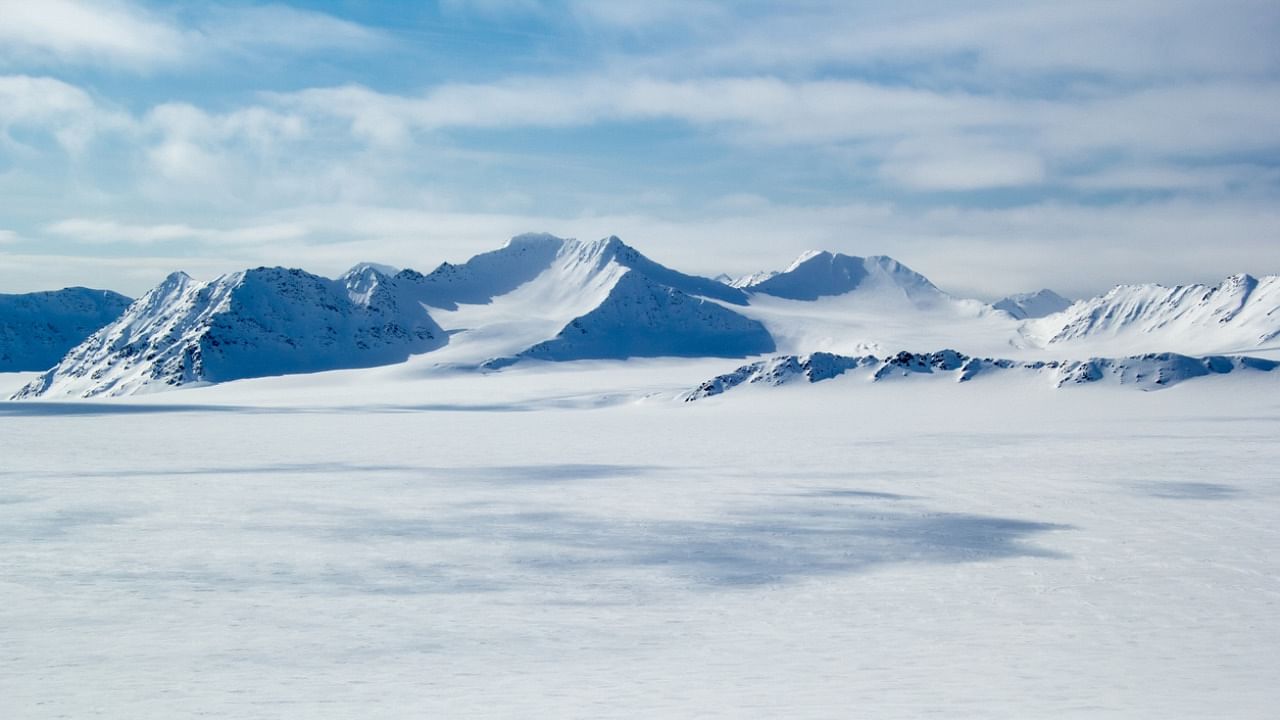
{"points": [[111, 232], [67, 31], [42, 105], [926, 139], [280, 27], [128, 36], [994, 43], [8, 237], [959, 164]]}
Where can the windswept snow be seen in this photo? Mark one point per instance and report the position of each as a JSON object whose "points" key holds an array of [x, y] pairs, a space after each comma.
{"points": [[37, 329]]}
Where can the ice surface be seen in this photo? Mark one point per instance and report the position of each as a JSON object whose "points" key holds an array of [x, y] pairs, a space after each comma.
{"points": [[569, 540]]}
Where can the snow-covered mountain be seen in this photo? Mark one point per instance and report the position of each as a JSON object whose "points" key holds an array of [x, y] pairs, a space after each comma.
{"points": [[853, 305], [748, 280], [549, 298], [1145, 372], [37, 329], [642, 318], [818, 274], [1240, 314], [265, 321], [541, 297], [1027, 306]]}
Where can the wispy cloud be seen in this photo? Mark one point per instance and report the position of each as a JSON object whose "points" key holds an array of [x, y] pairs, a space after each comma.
{"points": [[130, 36], [112, 232], [1073, 142]]}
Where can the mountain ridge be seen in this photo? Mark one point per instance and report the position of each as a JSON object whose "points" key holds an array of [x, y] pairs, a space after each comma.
{"points": [[542, 297], [37, 329]]}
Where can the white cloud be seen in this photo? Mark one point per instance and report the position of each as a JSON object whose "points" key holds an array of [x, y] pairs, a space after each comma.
{"points": [[45, 105], [112, 232], [86, 32], [127, 35], [280, 27], [960, 164], [994, 43]]}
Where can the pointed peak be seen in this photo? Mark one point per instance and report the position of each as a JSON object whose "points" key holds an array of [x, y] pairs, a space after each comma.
{"points": [[366, 268], [809, 256]]}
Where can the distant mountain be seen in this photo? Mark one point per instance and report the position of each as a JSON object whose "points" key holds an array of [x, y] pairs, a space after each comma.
{"points": [[265, 321], [1239, 314], [821, 274], [545, 298], [549, 298], [526, 257], [642, 318], [747, 280], [1038, 304], [37, 329], [1145, 372]]}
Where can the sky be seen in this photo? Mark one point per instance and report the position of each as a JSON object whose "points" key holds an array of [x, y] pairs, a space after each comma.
{"points": [[995, 147]]}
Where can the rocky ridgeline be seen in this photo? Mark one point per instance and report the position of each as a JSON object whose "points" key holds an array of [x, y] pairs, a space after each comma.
{"points": [[1148, 372]]}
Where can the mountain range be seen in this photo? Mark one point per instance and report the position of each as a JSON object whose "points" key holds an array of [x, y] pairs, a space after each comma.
{"points": [[541, 298]]}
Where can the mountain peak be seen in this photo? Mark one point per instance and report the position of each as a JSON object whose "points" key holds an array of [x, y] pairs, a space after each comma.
{"points": [[533, 240], [364, 268], [821, 273], [1032, 305], [809, 256]]}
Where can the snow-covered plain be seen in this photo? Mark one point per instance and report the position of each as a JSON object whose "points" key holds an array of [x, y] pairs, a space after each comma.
{"points": [[570, 540]]}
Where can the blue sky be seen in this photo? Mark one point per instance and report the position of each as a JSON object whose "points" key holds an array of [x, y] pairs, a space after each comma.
{"points": [[995, 147]]}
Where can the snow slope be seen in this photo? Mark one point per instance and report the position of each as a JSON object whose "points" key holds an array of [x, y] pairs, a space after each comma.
{"points": [[552, 298], [818, 274], [827, 302], [1146, 372], [1239, 314], [642, 318], [265, 321], [37, 329], [1037, 304]]}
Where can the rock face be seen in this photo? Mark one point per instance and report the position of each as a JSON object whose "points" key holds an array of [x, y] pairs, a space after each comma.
{"points": [[1145, 372], [37, 329], [266, 321], [1240, 313], [1028, 306]]}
